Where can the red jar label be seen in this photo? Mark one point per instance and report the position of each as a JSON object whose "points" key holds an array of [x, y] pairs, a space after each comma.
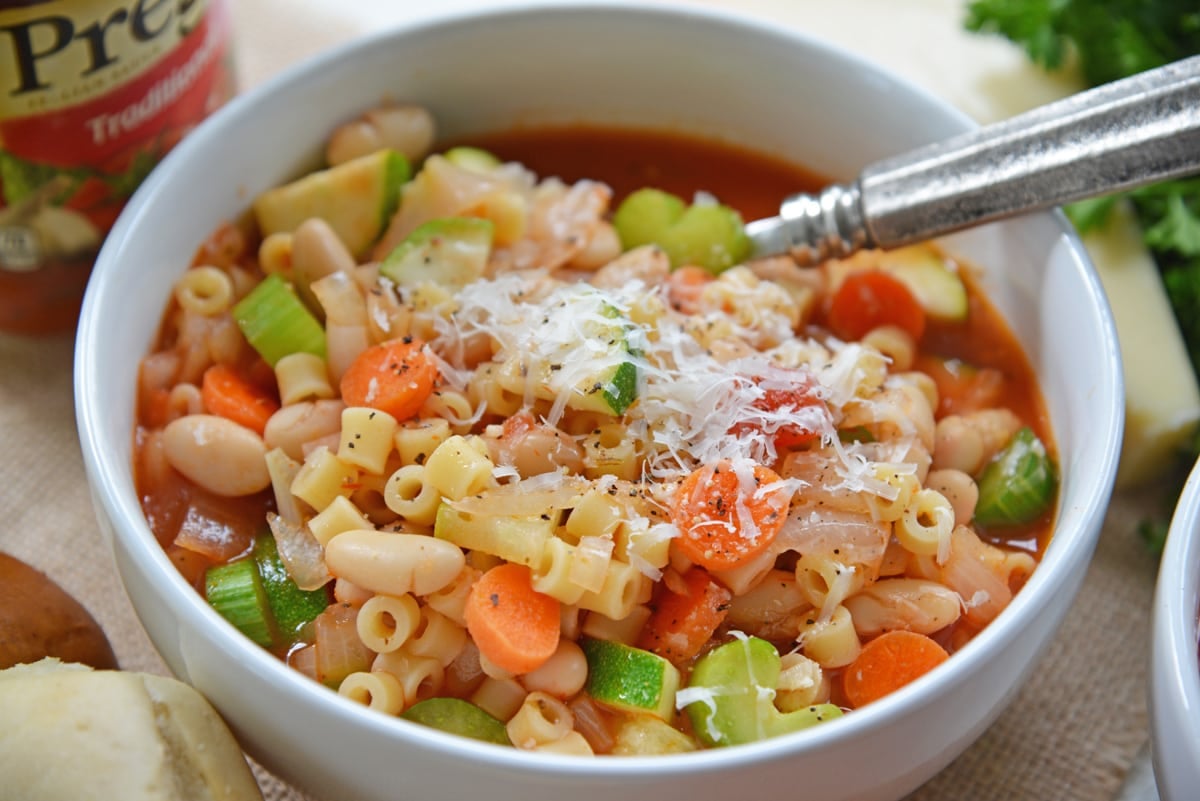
{"points": [[92, 95]]}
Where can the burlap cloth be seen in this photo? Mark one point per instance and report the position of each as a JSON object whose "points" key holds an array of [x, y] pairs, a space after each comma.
{"points": [[1073, 732]]}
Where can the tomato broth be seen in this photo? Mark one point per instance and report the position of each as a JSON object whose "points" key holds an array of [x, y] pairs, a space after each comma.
{"points": [[566, 428]]}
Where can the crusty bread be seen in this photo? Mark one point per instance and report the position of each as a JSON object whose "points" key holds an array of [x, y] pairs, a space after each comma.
{"points": [[71, 733]]}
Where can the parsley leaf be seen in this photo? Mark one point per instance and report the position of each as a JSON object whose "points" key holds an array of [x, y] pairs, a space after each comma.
{"points": [[1033, 24], [1107, 39], [1090, 214], [1172, 211]]}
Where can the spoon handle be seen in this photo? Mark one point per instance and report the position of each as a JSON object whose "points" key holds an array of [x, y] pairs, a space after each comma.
{"points": [[1118, 136]]}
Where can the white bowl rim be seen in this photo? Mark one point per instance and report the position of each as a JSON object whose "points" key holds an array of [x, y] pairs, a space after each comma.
{"points": [[1175, 674], [151, 559]]}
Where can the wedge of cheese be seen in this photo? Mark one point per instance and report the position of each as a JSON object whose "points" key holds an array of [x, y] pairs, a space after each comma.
{"points": [[1162, 402]]}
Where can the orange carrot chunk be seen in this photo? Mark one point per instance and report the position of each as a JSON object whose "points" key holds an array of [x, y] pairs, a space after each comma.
{"points": [[683, 622], [727, 515], [395, 377], [513, 625], [227, 394], [889, 662], [868, 299]]}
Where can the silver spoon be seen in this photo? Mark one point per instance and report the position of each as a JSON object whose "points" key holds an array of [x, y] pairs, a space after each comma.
{"points": [[1118, 136]]}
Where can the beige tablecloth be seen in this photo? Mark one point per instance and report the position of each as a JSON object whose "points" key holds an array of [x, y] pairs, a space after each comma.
{"points": [[1073, 732]]}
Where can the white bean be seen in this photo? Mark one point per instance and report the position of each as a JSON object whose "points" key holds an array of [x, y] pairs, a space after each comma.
{"points": [[351, 140], [294, 425], [648, 263], [409, 129], [965, 442], [538, 448], [393, 564], [903, 603], [562, 675], [218, 454], [957, 446], [995, 427], [602, 246], [958, 488]]}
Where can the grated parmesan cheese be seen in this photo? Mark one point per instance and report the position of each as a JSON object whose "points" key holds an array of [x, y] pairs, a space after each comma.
{"points": [[549, 340]]}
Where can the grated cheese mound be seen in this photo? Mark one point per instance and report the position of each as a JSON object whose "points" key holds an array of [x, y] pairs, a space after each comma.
{"points": [[691, 409], [551, 342]]}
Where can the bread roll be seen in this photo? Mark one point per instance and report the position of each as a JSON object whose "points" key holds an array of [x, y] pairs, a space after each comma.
{"points": [[71, 733], [38, 619]]}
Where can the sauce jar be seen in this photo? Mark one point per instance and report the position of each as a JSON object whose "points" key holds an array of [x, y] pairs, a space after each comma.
{"points": [[93, 93]]}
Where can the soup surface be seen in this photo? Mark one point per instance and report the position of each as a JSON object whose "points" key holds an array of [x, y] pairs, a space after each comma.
{"points": [[536, 453]]}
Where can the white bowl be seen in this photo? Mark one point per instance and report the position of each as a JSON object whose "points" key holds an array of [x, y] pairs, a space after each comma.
{"points": [[653, 66], [1175, 655]]}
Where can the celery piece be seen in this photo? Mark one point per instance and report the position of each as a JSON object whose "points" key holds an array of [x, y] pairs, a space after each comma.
{"points": [[630, 679], [711, 236], [475, 159], [708, 235], [730, 696], [236, 591], [457, 716], [451, 251], [513, 539], [1018, 485], [276, 322], [644, 215], [293, 607]]}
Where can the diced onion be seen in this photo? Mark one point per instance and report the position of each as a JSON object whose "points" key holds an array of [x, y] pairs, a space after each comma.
{"points": [[300, 553]]}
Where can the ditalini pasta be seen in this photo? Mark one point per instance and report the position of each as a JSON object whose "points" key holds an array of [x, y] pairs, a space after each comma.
{"points": [[549, 461]]}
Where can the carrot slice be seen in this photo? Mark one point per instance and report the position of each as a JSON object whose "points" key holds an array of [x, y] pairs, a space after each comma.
{"points": [[725, 516], [683, 622], [227, 394], [512, 624], [395, 377], [868, 299], [887, 663]]}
